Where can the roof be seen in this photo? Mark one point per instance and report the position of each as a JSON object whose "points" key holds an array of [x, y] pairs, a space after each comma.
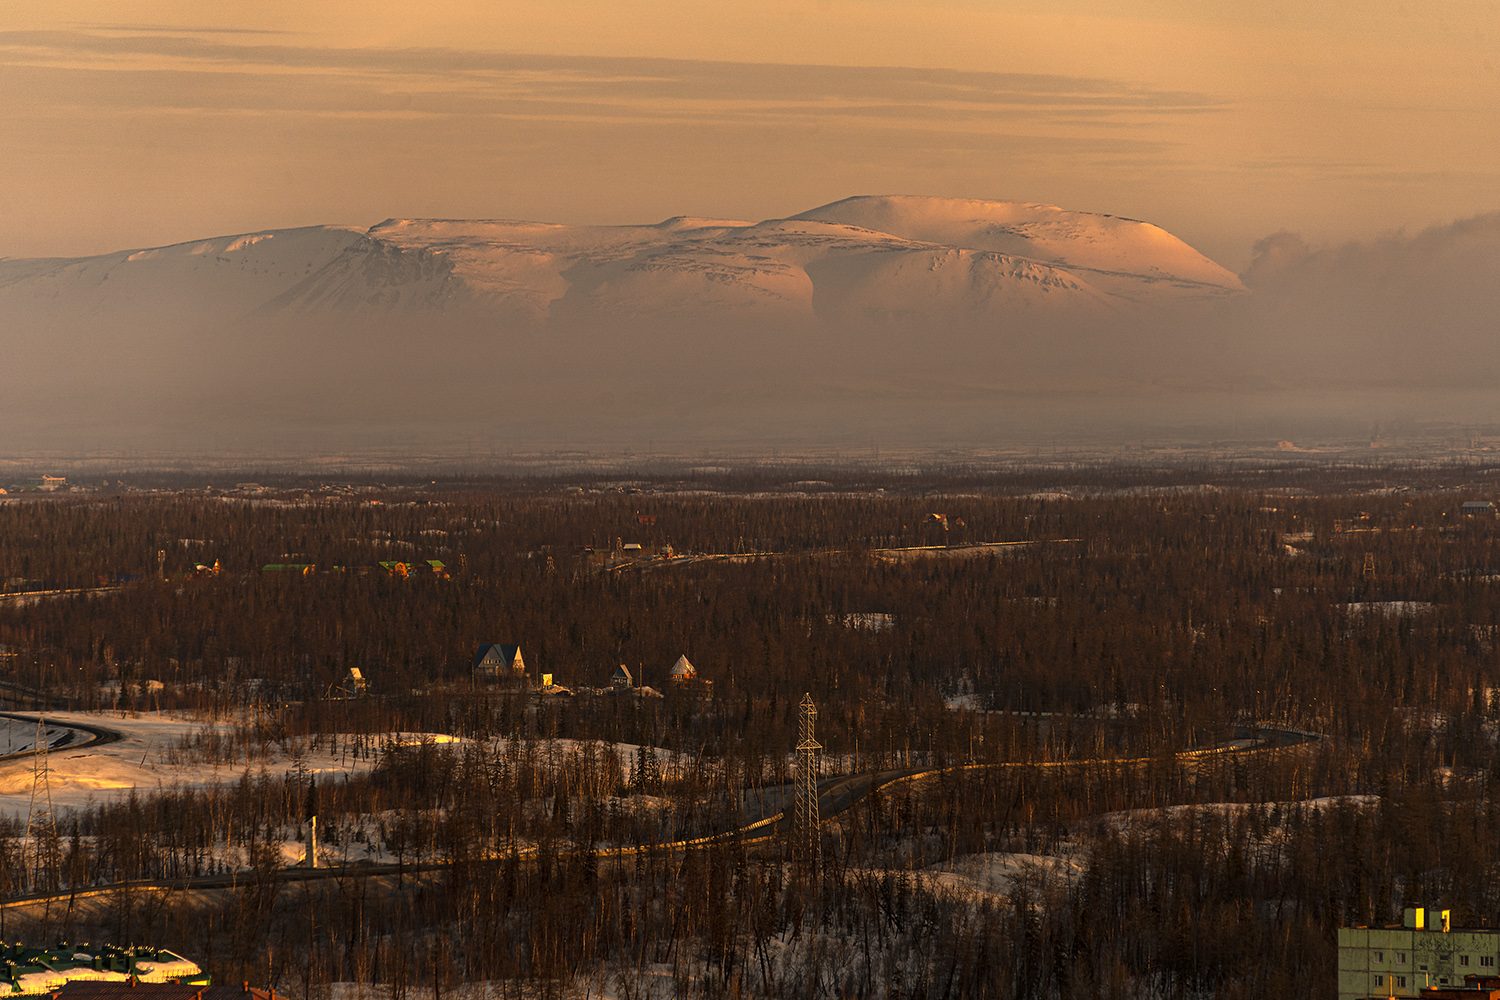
{"points": [[682, 668], [32, 971], [496, 654], [623, 672]]}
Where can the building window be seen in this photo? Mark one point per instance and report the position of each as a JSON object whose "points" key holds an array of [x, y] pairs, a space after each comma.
{"points": [[1380, 956], [1421, 968], [1442, 980], [1463, 960], [1400, 958], [1379, 980], [1487, 960], [1401, 981]]}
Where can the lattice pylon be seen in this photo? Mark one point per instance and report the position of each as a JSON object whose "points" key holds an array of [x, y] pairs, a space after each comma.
{"points": [[807, 845], [41, 823]]}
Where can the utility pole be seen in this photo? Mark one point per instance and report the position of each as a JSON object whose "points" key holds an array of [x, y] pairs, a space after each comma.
{"points": [[312, 823]]}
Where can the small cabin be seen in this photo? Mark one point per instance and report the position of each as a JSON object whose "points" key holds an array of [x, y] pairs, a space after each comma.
{"points": [[683, 671], [685, 680], [621, 679], [354, 684]]}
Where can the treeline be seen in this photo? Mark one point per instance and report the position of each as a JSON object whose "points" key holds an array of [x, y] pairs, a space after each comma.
{"points": [[1132, 624], [1188, 604], [483, 797], [1151, 893]]}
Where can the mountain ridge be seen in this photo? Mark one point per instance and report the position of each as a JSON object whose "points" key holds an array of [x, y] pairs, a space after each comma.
{"points": [[949, 257]]}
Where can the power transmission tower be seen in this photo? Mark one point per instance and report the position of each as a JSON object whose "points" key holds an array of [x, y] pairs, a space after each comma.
{"points": [[806, 843], [41, 824]]}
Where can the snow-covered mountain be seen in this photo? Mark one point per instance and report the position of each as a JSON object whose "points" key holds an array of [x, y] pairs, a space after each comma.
{"points": [[866, 258], [871, 318], [925, 316]]}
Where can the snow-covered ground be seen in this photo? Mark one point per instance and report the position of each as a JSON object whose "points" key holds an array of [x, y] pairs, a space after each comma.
{"points": [[1390, 609], [147, 757], [1145, 816], [151, 755], [998, 874]]}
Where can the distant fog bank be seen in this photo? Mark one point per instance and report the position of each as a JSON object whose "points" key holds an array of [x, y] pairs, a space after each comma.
{"points": [[696, 335]]}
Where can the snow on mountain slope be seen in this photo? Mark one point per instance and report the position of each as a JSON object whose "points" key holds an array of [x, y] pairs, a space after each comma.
{"points": [[233, 274], [1120, 248], [946, 284], [863, 258]]}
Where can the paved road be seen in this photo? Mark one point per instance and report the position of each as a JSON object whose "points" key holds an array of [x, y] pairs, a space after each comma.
{"points": [[97, 736], [835, 795]]}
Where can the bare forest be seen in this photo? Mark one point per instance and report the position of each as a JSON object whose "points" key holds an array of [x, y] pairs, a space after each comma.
{"points": [[1074, 670]]}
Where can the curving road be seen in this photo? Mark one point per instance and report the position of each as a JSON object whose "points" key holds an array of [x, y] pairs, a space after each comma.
{"points": [[97, 736], [835, 795]]}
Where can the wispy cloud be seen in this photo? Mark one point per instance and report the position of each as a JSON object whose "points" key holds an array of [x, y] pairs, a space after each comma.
{"points": [[174, 69], [152, 29]]}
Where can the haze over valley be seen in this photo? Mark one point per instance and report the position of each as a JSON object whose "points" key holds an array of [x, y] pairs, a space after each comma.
{"points": [[897, 320]]}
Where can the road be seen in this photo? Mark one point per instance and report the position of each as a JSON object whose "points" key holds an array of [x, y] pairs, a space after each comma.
{"points": [[835, 795], [97, 736]]}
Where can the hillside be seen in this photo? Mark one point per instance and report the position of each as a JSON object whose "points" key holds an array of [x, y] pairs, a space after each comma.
{"points": [[888, 257], [904, 317]]}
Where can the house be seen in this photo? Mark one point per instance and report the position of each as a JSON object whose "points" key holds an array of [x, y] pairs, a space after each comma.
{"points": [[1477, 508], [683, 671], [1423, 952], [499, 663], [685, 680], [551, 689], [353, 685], [621, 679]]}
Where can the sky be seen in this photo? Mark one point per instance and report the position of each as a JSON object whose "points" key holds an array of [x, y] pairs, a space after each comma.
{"points": [[129, 124]]}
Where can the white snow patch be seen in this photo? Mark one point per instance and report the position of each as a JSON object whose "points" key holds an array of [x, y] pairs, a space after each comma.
{"points": [[145, 758], [1390, 609], [998, 874], [246, 241], [1134, 817]]}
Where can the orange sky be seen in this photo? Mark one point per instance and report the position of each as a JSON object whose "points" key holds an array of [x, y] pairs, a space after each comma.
{"points": [[129, 124]]}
